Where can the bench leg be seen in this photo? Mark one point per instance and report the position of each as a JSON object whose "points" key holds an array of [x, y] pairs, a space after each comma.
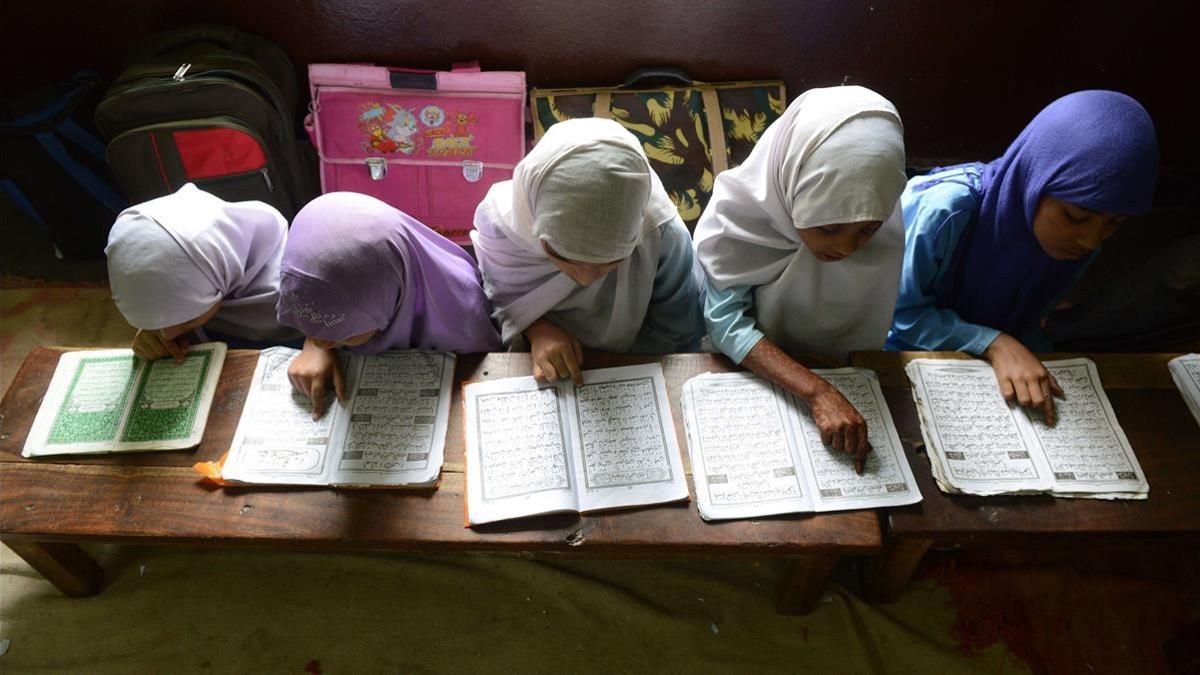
{"points": [[894, 568], [67, 566], [804, 583]]}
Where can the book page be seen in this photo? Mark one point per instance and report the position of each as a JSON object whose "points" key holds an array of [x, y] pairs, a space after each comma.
{"points": [[1086, 449], [1185, 370], [628, 452], [89, 404], [886, 479], [277, 441], [519, 455], [975, 439], [744, 463], [171, 402], [399, 407]]}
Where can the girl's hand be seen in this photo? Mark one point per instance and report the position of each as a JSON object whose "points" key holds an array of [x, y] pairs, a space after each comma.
{"points": [[150, 345], [1022, 376], [310, 372], [842, 426], [556, 353]]}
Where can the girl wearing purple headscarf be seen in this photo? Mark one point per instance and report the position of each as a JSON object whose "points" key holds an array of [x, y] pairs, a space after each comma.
{"points": [[991, 248], [359, 273]]}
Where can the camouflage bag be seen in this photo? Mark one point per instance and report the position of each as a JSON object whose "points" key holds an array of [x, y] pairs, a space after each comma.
{"points": [[690, 132]]}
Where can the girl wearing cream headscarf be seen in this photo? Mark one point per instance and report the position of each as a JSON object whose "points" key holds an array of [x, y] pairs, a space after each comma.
{"points": [[583, 248], [802, 247], [190, 262]]}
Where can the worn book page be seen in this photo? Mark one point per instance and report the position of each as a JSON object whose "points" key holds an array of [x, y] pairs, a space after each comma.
{"points": [[1086, 449], [1185, 370], [519, 454], [744, 460], [112, 401], [277, 441], [975, 439], [628, 452], [399, 407], [886, 479]]}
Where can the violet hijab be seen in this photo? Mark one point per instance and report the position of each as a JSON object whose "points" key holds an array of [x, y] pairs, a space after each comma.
{"points": [[1094, 149], [353, 264]]}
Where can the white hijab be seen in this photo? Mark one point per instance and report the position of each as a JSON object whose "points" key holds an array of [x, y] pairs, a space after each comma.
{"points": [[835, 156], [588, 191], [170, 259]]}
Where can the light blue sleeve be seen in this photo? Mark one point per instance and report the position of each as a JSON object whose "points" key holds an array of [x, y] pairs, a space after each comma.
{"points": [[933, 226], [674, 321], [730, 322]]}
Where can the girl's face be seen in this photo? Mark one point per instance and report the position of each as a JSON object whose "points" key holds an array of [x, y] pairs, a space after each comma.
{"points": [[1069, 232], [584, 274], [172, 332], [352, 341], [831, 243]]}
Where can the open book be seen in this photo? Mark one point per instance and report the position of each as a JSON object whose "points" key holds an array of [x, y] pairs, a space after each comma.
{"points": [[108, 400], [756, 451], [609, 443], [390, 432], [980, 444], [1185, 370]]}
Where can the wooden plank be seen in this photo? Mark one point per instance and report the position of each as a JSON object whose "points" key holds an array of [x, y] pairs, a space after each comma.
{"points": [[804, 582], [168, 505], [67, 566], [1161, 431], [891, 572], [1117, 371]]}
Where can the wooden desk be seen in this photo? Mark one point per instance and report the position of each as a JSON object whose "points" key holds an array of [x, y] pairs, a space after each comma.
{"points": [[50, 505], [1164, 436]]}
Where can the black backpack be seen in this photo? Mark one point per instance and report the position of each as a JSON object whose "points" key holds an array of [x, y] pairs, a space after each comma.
{"points": [[52, 167], [207, 105]]}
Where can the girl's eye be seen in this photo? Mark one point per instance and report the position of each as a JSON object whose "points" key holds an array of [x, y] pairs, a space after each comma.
{"points": [[829, 229], [1075, 216]]}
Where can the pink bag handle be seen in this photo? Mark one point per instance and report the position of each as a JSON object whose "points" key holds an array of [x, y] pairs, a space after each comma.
{"points": [[466, 67]]}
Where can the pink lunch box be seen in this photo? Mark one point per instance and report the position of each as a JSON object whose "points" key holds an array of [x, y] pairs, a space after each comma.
{"points": [[430, 143]]}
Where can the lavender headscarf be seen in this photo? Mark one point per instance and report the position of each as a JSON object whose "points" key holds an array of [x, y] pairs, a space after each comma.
{"points": [[354, 264], [1094, 149]]}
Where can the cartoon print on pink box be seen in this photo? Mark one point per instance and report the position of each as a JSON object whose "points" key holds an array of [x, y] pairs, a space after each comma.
{"points": [[392, 128], [389, 128], [450, 133]]}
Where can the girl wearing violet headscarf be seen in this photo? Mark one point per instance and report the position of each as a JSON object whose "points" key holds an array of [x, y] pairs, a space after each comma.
{"points": [[359, 273], [192, 262], [802, 246], [991, 248], [583, 247]]}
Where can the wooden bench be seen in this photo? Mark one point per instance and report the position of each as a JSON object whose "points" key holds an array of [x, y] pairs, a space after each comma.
{"points": [[1162, 431], [49, 506]]}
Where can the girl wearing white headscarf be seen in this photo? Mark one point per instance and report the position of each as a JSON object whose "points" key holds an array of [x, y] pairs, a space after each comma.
{"points": [[802, 246], [583, 248], [192, 262]]}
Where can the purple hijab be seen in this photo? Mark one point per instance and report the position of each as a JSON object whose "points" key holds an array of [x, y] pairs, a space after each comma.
{"points": [[353, 264], [1094, 149]]}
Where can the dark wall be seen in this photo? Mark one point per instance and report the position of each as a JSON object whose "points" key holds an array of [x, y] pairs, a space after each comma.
{"points": [[966, 74]]}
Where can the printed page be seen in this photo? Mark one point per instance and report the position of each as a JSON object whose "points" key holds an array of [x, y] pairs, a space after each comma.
{"points": [[88, 404], [976, 437], [886, 479], [172, 400], [628, 452], [1086, 449], [1185, 370], [744, 463], [398, 409], [277, 441], [519, 454]]}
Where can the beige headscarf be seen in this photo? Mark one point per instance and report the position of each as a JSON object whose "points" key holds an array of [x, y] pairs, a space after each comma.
{"points": [[835, 156], [588, 191]]}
